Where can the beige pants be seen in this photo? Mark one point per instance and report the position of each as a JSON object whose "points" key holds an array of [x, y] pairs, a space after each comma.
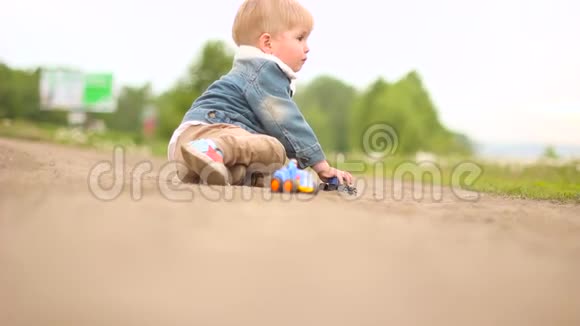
{"points": [[243, 152]]}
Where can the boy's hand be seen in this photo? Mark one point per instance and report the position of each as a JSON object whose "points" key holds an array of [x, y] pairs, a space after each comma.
{"points": [[343, 176], [325, 172]]}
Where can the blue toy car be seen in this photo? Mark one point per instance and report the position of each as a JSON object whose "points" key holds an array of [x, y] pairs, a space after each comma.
{"points": [[292, 179], [333, 185]]}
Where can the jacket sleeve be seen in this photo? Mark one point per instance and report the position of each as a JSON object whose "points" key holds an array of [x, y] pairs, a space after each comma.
{"points": [[269, 96]]}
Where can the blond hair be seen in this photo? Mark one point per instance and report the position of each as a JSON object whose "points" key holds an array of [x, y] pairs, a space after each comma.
{"points": [[256, 17]]}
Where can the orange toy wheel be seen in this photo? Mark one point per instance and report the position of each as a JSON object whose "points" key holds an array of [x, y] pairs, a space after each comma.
{"points": [[275, 185], [288, 186]]}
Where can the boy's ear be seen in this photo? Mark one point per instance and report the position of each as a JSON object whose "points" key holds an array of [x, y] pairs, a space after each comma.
{"points": [[265, 43]]}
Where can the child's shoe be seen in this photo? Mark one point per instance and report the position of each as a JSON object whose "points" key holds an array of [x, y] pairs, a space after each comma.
{"points": [[206, 160]]}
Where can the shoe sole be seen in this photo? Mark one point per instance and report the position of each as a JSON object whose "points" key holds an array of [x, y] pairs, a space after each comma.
{"points": [[209, 171]]}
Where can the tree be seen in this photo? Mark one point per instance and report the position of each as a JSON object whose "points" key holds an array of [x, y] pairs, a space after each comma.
{"points": [[128, 117], [362, 110], [325, 103], [18, 93], [214, 61], [406, 106], [550, 153]]}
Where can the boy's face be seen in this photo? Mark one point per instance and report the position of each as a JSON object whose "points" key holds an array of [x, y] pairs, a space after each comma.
{"points": [[291, 47]]}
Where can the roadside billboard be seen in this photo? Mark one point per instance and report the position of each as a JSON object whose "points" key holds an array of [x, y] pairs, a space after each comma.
{"points": [[72, 90]]}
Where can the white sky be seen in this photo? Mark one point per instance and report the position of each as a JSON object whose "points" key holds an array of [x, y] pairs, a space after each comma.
{"points": [[500, 71]]}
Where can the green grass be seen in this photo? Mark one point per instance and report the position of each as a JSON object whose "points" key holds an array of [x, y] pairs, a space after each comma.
{"points": [[540, 180], [27, 130], [537, 181]]}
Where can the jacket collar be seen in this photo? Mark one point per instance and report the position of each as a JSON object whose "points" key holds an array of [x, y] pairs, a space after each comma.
{"points": [[251, 52]]}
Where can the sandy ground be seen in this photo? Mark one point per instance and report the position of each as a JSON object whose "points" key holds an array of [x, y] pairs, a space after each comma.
{"points": [[239, 256]]}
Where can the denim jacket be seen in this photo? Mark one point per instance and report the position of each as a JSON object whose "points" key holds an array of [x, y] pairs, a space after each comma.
{"points": [[256, 96]]}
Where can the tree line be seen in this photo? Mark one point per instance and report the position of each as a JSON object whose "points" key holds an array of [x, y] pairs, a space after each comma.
{"points": [[338, 112]]}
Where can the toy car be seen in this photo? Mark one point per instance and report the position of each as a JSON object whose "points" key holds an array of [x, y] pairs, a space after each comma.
{"points": [[292, 179], [333, 185]]}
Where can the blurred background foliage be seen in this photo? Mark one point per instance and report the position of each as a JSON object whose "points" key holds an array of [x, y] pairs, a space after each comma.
{"points": [[338, 112]]}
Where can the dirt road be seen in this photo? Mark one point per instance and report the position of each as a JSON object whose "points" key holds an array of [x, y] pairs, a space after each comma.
{"points": [[153, 257]]}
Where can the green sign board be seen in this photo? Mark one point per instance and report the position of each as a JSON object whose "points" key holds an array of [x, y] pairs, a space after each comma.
{"points": [[98, 88], [76, 91]]}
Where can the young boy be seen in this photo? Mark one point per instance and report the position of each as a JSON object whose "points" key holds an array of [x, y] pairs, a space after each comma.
{"points": [[247, 118]]}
